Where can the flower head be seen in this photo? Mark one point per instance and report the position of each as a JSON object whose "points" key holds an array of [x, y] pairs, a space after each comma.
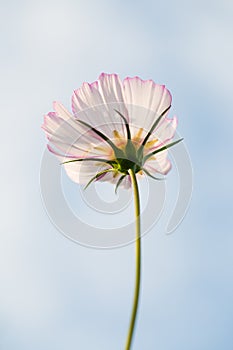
{"points": [[115, 126]]}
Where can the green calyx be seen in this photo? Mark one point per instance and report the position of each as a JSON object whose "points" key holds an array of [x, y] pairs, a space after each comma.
{"points": [[130, 158], [126, 160]]}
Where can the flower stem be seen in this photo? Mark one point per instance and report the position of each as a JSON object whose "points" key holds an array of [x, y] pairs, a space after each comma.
{"points": [[138, 261]]}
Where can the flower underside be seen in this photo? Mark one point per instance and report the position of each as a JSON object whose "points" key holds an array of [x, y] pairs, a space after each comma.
{"points": [[130, 156], [123, 128]]}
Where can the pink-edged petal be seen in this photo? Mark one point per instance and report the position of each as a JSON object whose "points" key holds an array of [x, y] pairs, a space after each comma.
{"points": [[126, 183], [145, 101], [55, 125], [64, 132], [111, 90], [96, 103], [110, 87], [71, 138], [163, 133], [166, 129], [86, 97], [83, 172], [61, 111], [111, 177], [159, 164], [59, 154]]}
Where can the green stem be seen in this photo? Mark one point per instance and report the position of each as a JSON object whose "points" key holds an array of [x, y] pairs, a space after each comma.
{"points": [[138, 260]]}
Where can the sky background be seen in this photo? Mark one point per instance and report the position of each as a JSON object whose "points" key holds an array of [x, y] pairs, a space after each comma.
{"points": [[55, 294]]}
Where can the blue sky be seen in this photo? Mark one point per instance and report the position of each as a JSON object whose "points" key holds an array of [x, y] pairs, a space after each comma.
{"points": [[56, 294]]}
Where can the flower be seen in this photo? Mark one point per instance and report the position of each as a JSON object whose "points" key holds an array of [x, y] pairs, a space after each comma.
{"points": [[117, 131], [114, 126]]}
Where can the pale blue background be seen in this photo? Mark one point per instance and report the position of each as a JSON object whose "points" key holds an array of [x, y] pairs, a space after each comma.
{"points": [[55, 294]]}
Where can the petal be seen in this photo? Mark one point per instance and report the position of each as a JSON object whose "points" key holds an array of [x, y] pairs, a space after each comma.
{"points": [[85, 97], [166, 129], [126, 183], [83, 172], [61, 111], [159, 164], [110, 87], [95, 103], [64, 132], [71, 138], [145, 101], [114, 178], [163, 133], [111, 177]]}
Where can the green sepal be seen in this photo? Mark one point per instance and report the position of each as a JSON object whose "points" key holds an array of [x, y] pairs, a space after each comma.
{"points": [[98, 175], [102, 160], [149, 174], [130, 151], [118, 152], [126, 124], [140, 150], [161, 149], [119, 182], [154, 125]]}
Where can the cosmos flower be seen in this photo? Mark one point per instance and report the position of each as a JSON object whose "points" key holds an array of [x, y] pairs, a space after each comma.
{"points": [[117, 132], [114, 126]]}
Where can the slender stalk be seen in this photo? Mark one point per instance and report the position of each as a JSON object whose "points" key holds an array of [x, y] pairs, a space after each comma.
{"points": [[138, 261]]}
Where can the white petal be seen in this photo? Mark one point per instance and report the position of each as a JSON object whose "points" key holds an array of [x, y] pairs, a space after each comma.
{"points": [[86, 97], [126, 183], [61, 111], [166, 129], [111, 177], [83, 172], [95, 104], [163, 133], [114, 178], [70, 137], [111, 88], [161, 164], [145, 101]]}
